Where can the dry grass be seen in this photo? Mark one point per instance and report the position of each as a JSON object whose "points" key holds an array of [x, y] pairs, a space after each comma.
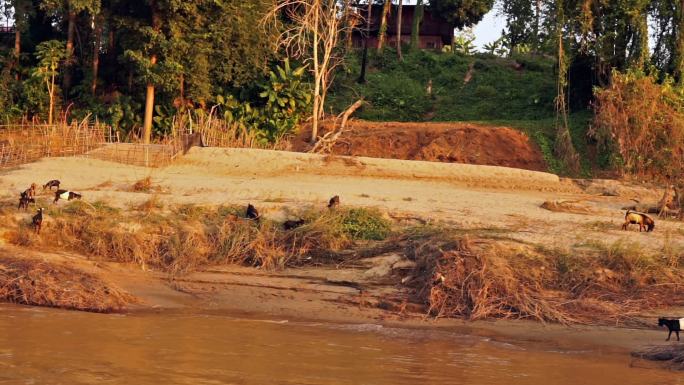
{"points": [[28, 142], [219, 133], [485, 278], [187, 237], [143, 185], [34, 282], [564, 206]]}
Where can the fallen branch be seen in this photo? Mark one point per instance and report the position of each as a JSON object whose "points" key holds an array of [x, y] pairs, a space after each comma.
{"points": [[327, 141]]}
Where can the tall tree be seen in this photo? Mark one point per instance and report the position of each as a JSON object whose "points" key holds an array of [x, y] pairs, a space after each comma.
{"points": [[382, 32], [679, 54], [70, 9], [415, 27], [563, 146], [399, 12], [149, 89], [312, 36]]}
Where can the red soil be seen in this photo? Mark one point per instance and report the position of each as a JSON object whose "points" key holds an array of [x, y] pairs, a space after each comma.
{"points": [[437, 142]]}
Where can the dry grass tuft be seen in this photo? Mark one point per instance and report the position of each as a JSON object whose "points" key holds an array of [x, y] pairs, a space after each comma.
{"points": [[34, 282], [564, 206], [143, 185]]}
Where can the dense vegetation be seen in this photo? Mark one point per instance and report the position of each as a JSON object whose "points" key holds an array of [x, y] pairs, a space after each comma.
{"points": [[137, 65]]}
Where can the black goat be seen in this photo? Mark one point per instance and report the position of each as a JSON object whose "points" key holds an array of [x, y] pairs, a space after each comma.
{"points": [[51, 184], [291, 225], [66, 195], [252, 213], [38, 221], [673, 325], [24, 201], [334, 202]]}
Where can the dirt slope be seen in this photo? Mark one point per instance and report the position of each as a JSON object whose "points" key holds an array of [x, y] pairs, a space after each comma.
{"points": [[437, 142]]}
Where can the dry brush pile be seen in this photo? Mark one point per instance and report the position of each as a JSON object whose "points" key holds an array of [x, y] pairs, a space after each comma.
{"points": [[486, 278], [35, 282]]}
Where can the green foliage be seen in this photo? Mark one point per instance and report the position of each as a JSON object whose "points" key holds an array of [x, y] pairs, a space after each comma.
{"points": [[463, 42], [497, 91], [281, 102], [366, 224]]}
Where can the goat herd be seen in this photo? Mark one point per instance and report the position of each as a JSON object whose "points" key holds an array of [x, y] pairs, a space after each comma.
{"points": [[644, 221], [29, 196]]}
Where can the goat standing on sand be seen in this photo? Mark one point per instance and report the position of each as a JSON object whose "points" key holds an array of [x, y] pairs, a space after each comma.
{"points": [[37, 221], [334, 202], [673, 325], [252, 213], [634, 218], [66, 195], [51, 184]]}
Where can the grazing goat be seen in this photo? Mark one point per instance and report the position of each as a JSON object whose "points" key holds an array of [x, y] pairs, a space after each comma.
{"points": [[51, 184], [291, 225], [673, 325], [334, 202], [641, 219], [38, 221], [66, 195], [252, 213], [24, 201], [29, 192]]}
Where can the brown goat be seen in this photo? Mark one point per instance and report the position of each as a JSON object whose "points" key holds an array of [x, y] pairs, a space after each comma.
{"points": [[634, 218], [334, 202]]}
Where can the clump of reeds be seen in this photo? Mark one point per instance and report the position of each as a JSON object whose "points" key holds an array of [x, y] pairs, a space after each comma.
{"points": [[35, 282]]}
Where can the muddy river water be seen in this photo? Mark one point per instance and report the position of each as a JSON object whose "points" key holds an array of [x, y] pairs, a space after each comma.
{"points": [[44, 346]]}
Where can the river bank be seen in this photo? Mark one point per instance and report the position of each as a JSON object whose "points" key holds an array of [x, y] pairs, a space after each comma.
{"points": [[491, 206]]}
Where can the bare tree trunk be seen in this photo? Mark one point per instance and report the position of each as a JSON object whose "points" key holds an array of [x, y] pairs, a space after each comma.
{"points": [[96, 53], [349, 24], [415, 28], [537, 24], [679, 68], [51, 92], [71, 30], [317, 79], [364, 58], [17, 48], [149, 96], [383, 25], [399, 12]]}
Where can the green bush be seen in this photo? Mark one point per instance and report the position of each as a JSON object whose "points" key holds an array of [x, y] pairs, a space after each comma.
{"points": [[366, 224]]}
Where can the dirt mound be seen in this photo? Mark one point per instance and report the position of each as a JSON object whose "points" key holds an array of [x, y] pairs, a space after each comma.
{"points": [[437, 142]]}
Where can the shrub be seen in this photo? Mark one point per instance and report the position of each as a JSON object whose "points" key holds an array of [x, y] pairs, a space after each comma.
{"points": [[640, 123], [365, 224]]}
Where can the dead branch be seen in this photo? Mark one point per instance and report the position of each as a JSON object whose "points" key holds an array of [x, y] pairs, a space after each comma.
{"points": [[326, 143]]}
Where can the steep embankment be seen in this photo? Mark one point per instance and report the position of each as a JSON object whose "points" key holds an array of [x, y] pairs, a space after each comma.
{"points": [[437, 142]]}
